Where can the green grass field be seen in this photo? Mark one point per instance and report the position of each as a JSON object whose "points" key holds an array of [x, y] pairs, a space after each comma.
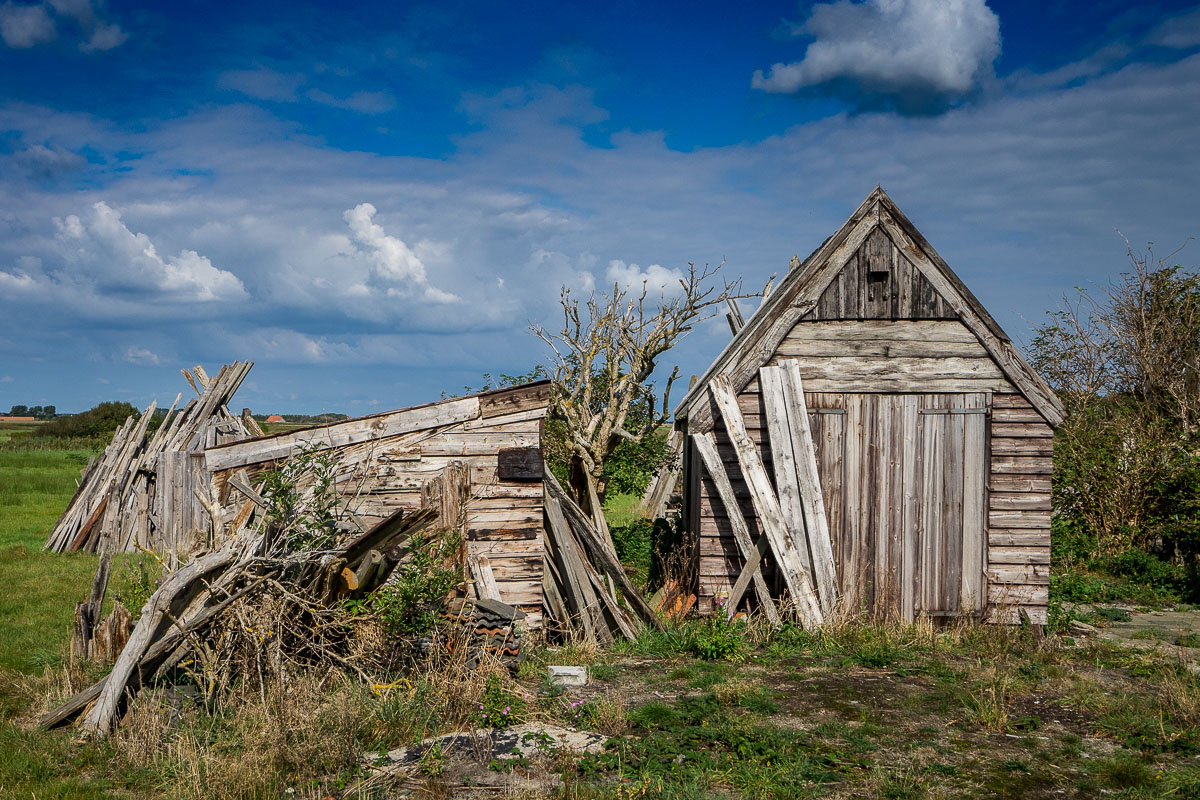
{"points": [[38, 590]]}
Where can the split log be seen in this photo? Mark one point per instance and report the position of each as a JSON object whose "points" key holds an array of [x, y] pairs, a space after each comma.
{"points": [[111, 635]]}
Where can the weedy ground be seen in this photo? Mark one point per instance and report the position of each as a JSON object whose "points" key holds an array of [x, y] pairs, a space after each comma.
{"points": [[701, 710]]}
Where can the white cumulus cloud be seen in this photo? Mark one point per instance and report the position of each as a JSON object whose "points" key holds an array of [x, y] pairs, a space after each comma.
{"points": [[656, 278], [394, 262], [908, 49], [103, 248]]}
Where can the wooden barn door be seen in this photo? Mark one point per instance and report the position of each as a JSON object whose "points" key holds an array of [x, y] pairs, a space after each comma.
{"points": [[904, 477]]}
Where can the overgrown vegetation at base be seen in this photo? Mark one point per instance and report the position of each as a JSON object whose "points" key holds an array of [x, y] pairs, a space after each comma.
{"points": [[1126, 363]]}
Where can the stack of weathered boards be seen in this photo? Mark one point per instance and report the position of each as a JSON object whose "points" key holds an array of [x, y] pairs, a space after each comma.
{"points": [[582, 573], [151, 493]]}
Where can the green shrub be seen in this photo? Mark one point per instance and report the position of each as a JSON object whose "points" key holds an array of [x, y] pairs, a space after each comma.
{"points": [[631, 465], [136, 582], [500, 706], [719, 638], [634, 543], [411, 601]]}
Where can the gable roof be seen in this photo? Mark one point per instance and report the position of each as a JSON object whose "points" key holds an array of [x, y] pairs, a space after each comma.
{"points": [[800, 289]]}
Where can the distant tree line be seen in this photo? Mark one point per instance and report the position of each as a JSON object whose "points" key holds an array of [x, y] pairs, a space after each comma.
{"points": [[37, 412], [95, 422]]}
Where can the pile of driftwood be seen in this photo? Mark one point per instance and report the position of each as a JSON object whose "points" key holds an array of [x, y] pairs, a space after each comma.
{"points": [[152, 494], [249, 607], [582, 574]]}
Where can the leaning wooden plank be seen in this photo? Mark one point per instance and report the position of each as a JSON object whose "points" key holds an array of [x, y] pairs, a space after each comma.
{"points": [[658, 492], [750, 571], [99, 720], [485, 581], [99, 588], [146, 666], [787, 554], [605, 557], [574, 572], [379, 426], [707, 448], [816, 524], [557, 532], [783, 460]]}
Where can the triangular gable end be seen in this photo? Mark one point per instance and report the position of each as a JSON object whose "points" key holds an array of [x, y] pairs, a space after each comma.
{"points": [[834, 283]]}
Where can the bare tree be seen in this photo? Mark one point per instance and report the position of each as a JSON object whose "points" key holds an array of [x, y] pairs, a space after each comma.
{"points": [[602, 357]]}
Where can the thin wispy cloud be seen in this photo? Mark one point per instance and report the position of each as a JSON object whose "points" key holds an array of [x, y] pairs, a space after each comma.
{"points": [[23, 26]]}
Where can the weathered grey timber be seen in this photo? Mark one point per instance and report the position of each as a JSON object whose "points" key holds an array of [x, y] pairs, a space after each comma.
{"points": [[930, 437]]}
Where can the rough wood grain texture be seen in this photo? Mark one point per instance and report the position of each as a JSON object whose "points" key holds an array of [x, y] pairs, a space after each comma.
{"points": [[99, 720], [816, 523], [846, 260], [752, 554], [485, 581], [785, 549]]}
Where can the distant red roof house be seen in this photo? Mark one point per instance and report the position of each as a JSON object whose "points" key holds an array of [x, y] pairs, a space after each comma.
{"points": [[17, 419], [272, 418]]}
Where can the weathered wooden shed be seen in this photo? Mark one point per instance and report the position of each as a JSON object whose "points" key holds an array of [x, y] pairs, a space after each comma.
{"points": [[477, 458], [932, 436]]}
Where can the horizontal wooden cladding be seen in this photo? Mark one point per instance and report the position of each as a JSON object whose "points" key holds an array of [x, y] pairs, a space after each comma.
{"points": [[1021, 465], [1019, 501], [928, 331], [1035, 430], [1018, 483], [515, 399], [474, 443], [715, 585], [480, 518], [1011, 400], [522, 592], [340, 434], [1016, 615], [1018, 555], [1018, 595], [1034, 520], [1001, 537], [1022, 447], [1032, 574], [898, 375], [1008, 415], [523, 490]]}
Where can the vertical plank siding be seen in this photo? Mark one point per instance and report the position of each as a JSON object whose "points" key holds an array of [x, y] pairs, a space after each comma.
{"points": [[879, 282], [934, 465]]}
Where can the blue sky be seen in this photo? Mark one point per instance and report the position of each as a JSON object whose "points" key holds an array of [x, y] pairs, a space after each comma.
{"points": [[374, 202]]}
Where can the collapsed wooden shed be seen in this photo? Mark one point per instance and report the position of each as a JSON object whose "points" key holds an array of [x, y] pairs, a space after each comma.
{"points": [[931, 436], [477, 459]]}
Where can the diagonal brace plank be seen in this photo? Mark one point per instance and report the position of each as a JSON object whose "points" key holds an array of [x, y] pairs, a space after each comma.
{"points": [[706, 446], [787, 555]]}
